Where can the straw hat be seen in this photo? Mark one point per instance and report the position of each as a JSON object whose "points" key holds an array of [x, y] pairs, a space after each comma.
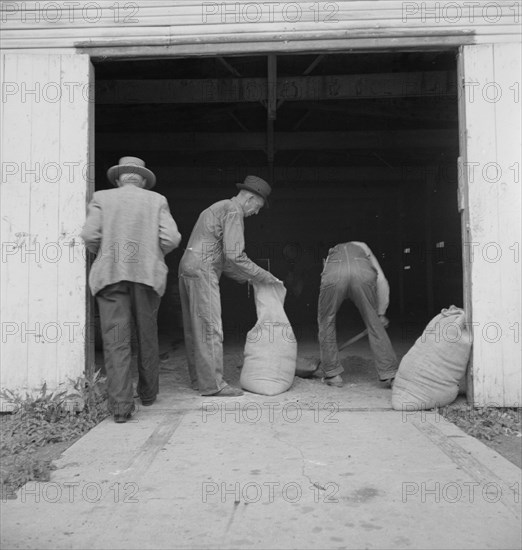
{"points": [[131, 165]]}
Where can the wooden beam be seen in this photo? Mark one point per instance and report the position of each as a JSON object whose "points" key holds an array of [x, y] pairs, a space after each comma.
{"points": [[229, 67], [237, 121], [299, 88], [429, 188], [270, 148], [272, 87], [284, 141], [306, 72], [399, 230], [305, 199], [313, 65], [297, 125], [197, 176], [271, 112], [441, 110]]}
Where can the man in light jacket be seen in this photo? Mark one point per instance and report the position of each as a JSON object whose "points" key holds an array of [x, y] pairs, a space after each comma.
{"points": [[130, 229], [351, 271]]}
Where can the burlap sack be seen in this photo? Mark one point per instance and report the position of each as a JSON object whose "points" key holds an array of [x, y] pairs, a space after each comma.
{"points": [[430, 373], [271, 347]]}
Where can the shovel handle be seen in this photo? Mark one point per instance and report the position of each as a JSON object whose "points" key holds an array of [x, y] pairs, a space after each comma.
{"points": [[354, 339]]}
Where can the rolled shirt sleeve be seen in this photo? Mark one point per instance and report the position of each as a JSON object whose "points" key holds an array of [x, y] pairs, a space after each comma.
{"points": [[383, 293], [383, 288], [169, 236], [238, 265]]}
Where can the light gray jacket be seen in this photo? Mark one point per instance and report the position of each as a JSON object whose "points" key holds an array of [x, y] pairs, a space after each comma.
{"points": [[130, 230]]}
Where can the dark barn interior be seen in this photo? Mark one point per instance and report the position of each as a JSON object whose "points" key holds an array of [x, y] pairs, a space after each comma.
{"points": [[357, 147]]}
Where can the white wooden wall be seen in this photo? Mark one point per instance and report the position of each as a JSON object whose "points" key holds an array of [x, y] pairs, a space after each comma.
{"points": [[491, 143], [44, 145], [185, 27], [43, 299]]}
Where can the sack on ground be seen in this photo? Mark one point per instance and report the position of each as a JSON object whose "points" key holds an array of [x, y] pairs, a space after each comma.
{"points": [[271, 347], [430, 373]]}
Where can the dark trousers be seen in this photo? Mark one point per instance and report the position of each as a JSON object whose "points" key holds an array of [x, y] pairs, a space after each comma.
{"points": [[120, 304], [348, 274]]}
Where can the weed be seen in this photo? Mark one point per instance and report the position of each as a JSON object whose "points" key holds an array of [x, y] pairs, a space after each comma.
{"points": [[485, 423], [42, 419]]}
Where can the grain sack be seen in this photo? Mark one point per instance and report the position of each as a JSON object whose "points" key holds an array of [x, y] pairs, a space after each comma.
{"points": [[271, 347], [430, 373]]}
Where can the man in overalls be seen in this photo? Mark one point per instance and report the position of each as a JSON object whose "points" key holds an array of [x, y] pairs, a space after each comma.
{"points": [[352, 272], [216, 246]]}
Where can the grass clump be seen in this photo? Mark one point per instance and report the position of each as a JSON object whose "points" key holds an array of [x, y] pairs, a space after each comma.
{"points": [[486, 423], [40, 420]]}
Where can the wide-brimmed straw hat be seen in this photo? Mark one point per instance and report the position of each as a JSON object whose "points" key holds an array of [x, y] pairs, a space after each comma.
{"points": [[131, 165], [256, 185]]}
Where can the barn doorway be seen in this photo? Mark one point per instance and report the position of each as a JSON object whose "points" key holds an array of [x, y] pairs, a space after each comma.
{"points": [[357, 146]]}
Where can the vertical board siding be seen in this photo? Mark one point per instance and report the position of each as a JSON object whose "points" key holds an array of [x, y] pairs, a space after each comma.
{"points": [[44, 145], [493, 145], [14, 218], [508, 129], [43, 148]]}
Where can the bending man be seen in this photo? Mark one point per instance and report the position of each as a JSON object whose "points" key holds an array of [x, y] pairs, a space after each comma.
{"points": [[352, 272]]}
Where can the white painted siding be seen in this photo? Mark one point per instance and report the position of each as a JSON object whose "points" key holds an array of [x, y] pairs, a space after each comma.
{"points": [[183, 27], [44, 146], [492, 145], [40, 296]]}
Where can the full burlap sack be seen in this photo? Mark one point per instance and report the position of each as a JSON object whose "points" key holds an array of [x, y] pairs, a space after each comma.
{"points": [[271, 347], [430, 373]]}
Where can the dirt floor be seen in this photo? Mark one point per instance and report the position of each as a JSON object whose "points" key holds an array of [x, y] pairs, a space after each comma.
{"points": [[358, 371]]}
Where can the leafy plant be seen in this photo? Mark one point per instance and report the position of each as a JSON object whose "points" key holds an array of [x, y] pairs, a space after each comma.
{"points": [[43, 406], [485, 422], [44, 418]]}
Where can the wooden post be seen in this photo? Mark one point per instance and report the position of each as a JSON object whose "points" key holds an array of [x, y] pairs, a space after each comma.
{"points": [[429, 186], [399, 203], [270, 149], [490, 192], [271, 114]]}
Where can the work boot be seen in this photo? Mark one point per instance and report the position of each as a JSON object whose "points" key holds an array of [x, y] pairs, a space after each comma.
{"points": [[389, 382], [336, 381], [228, 391], [148, 402], [120, 418]]}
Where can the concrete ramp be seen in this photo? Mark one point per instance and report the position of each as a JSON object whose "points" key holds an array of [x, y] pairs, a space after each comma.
{"points": [[316, 467]]}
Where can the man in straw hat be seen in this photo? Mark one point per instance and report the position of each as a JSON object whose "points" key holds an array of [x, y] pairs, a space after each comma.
{"points": [[130, 229], [216, 246]]}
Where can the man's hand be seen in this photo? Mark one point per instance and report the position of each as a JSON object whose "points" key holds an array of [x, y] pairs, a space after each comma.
{"points": [[384, 320], [265, 277], [271, 279]]}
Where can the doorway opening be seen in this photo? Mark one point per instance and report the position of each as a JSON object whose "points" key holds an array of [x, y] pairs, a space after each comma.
{"points": [[359, 147]]}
